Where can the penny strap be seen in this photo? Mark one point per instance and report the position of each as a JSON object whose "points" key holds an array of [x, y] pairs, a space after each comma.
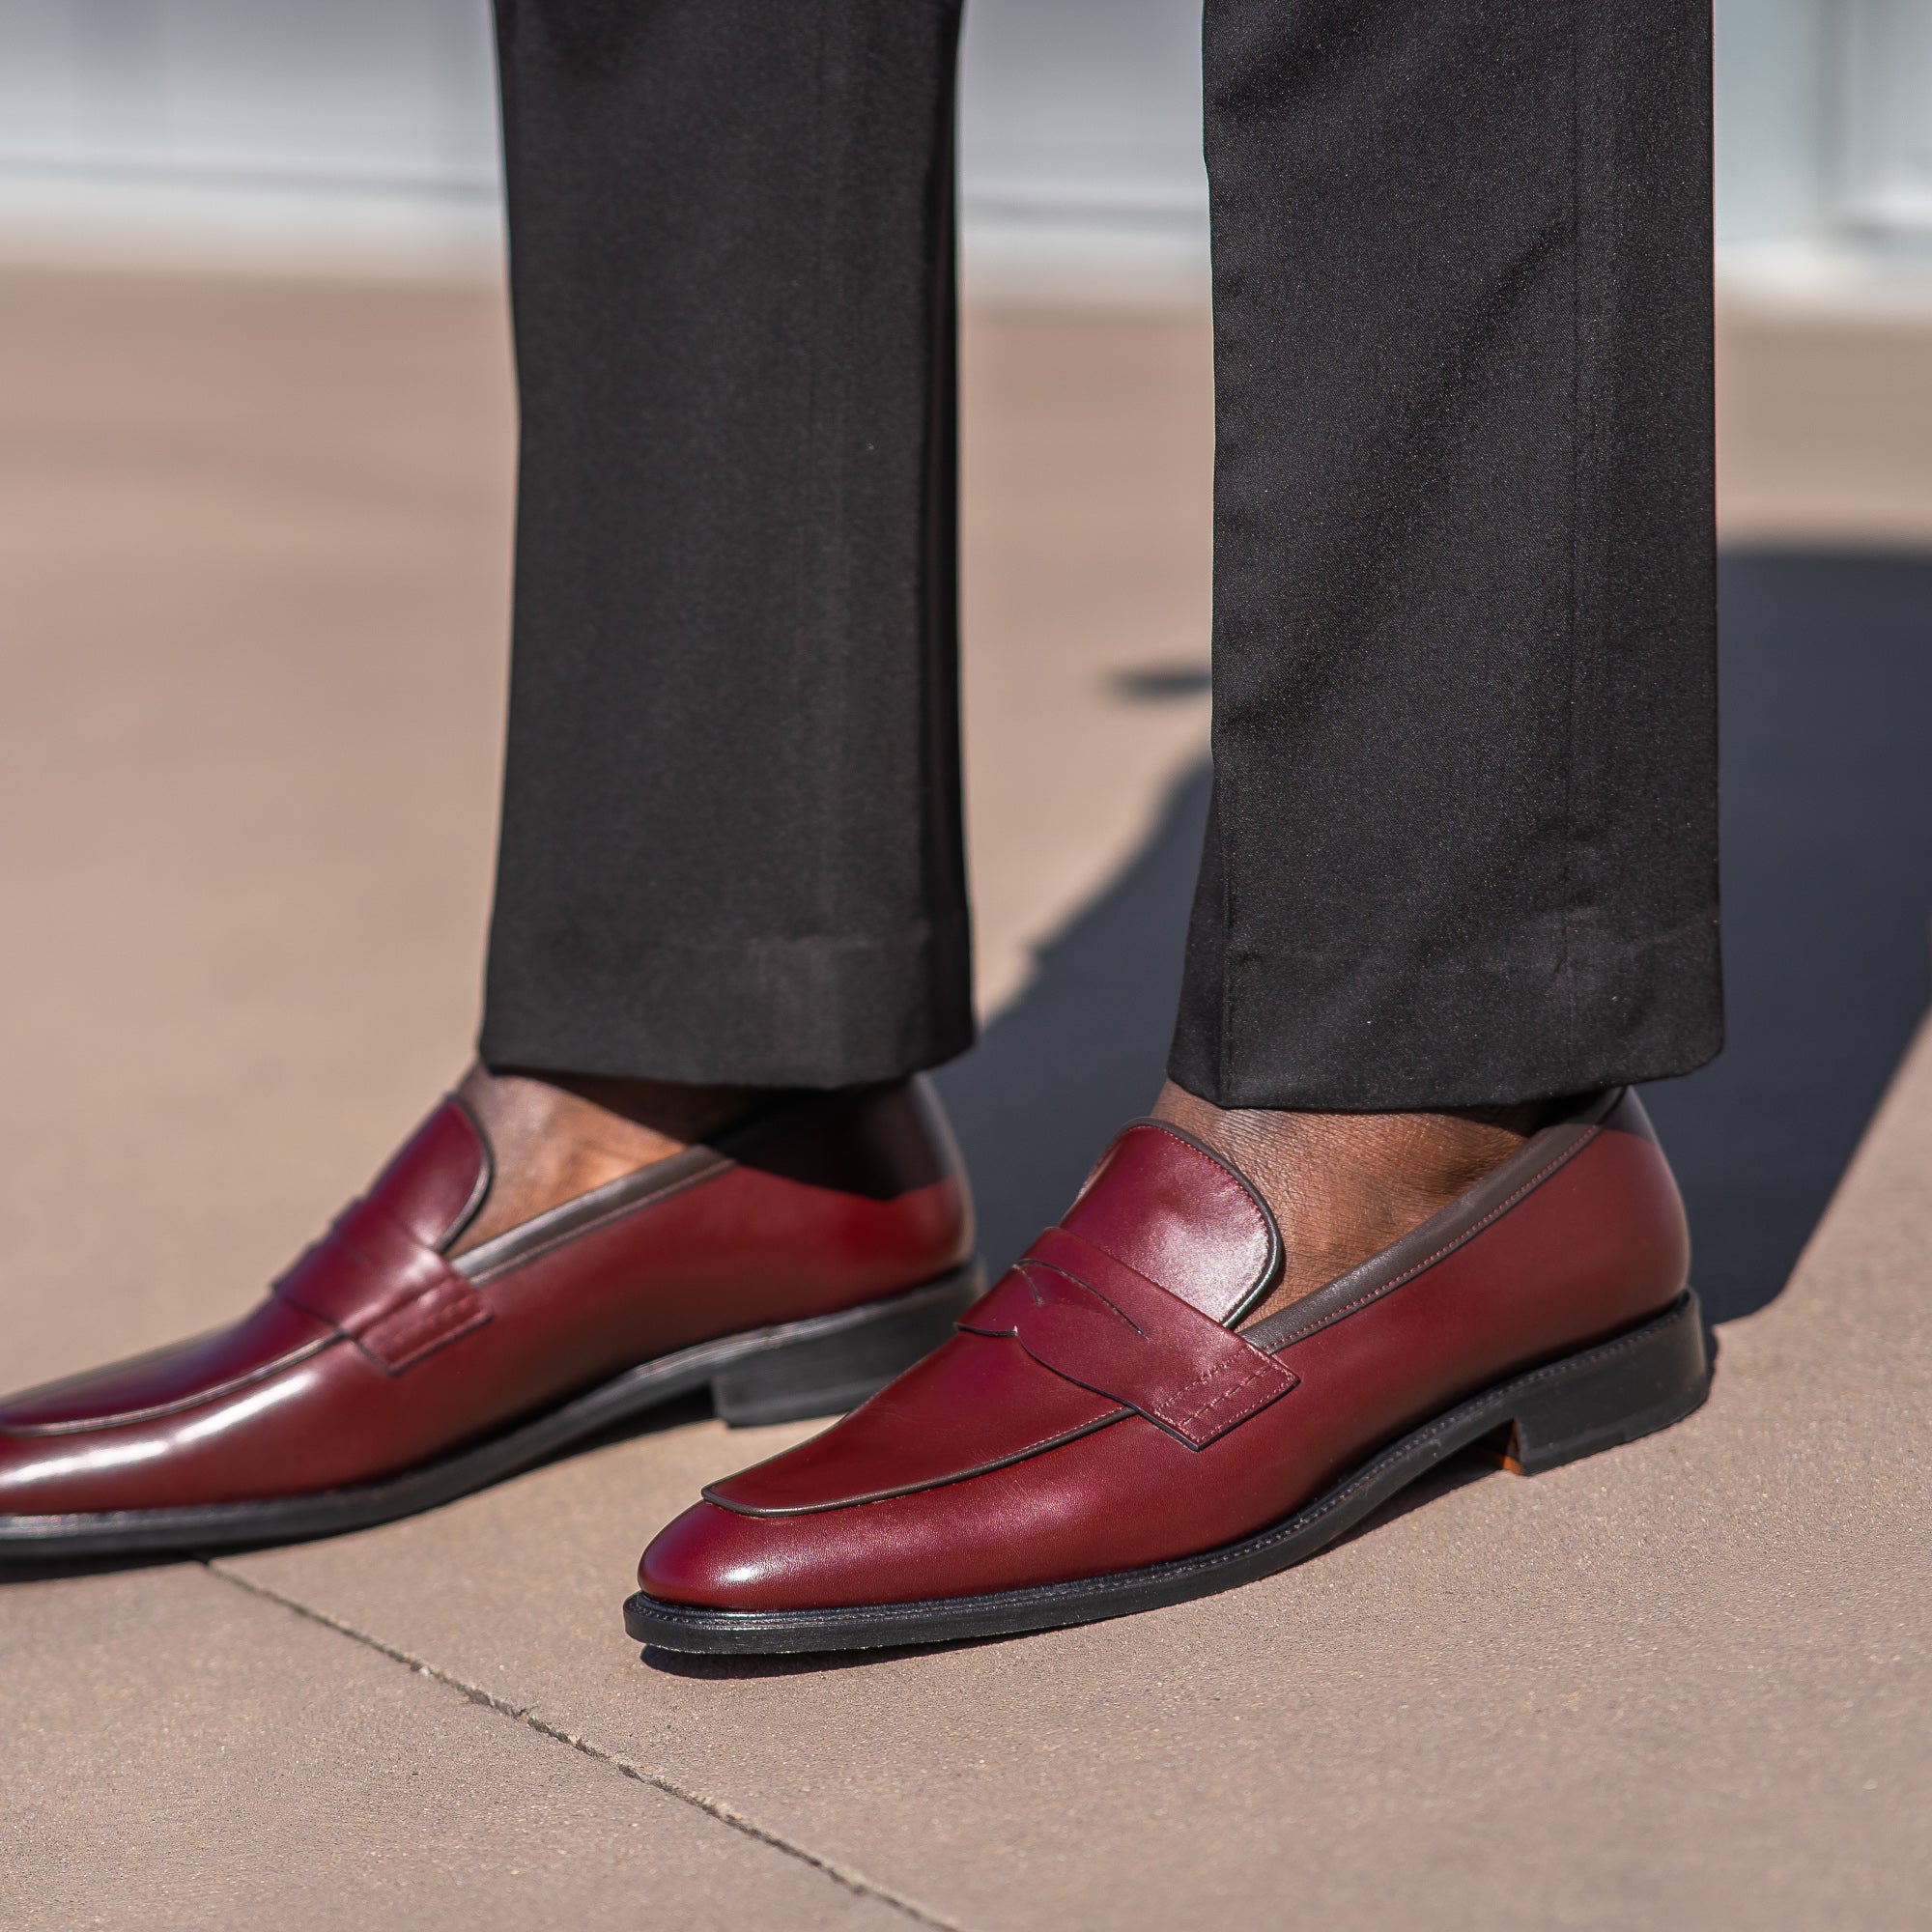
{"points": [[1093, 1321], [397, 1300]]}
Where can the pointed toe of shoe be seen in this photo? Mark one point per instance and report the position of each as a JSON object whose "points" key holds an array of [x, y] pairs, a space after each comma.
{"points": [[711, 1559]]}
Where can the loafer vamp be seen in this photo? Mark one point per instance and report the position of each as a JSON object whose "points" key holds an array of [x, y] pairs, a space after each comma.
{"points": [[1579, 1238], [377, 1355]]}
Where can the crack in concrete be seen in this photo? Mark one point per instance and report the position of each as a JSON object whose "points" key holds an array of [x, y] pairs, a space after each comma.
{"points": [[713, 1807]]}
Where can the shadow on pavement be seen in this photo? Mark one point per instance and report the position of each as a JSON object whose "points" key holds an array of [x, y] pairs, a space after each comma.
{"points": [[1828, 880], [1827, 740]]}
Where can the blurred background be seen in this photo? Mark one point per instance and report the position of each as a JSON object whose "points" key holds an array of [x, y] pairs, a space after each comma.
{"points": [[256, 439], [368, 127]]}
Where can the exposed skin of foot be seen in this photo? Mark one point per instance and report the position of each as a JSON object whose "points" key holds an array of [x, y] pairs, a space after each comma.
{"points": [[552, 1137], [1344, 1186]]}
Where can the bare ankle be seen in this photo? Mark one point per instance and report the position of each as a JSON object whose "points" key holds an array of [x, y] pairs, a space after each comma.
{"points": [[1343, 1186], [556, 1136]]}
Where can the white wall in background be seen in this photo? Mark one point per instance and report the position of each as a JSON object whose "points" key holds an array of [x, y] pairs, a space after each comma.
{"points": [[267, 132], [1083, 105], [1080, 120], [1774, 102], [1080, 145], [365, 93], [1885, 99], [1088, 101]]}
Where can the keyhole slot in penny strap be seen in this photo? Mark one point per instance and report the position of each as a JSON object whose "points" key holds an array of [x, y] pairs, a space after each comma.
{"points": [[396, 1299], [1093, 1321]]}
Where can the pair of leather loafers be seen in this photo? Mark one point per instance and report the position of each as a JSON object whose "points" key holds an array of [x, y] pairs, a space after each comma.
{"points": [[1107, 1430]]}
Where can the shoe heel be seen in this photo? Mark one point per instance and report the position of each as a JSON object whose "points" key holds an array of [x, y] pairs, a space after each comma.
{"points": [[1614, 1393], [832, 1362]]}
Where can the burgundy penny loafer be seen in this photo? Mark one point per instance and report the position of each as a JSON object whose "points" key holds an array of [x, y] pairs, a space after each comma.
{"points": [[1103, 1435], [792, 1266]]}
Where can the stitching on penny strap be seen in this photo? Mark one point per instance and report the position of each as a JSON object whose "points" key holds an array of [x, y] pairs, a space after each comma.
{"points": [[1219, 1370], [420, 1328], [399, 1336], [1260, 1372], [1248, 1366]]}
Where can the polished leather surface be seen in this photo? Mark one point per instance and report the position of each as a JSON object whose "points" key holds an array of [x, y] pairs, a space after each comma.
{"points": [[995, 1464], [1102, 1326], [376, 1352]]}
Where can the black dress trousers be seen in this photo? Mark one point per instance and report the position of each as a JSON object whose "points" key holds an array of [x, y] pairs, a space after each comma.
{"points": [[1462, 847]]}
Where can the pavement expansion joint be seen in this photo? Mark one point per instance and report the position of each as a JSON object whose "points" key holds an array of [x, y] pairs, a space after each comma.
{"points": [[839, 1874]]}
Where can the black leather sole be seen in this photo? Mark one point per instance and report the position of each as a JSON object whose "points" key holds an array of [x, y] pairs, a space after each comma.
{"points": [[820, 1366], [1641, 1381]]}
